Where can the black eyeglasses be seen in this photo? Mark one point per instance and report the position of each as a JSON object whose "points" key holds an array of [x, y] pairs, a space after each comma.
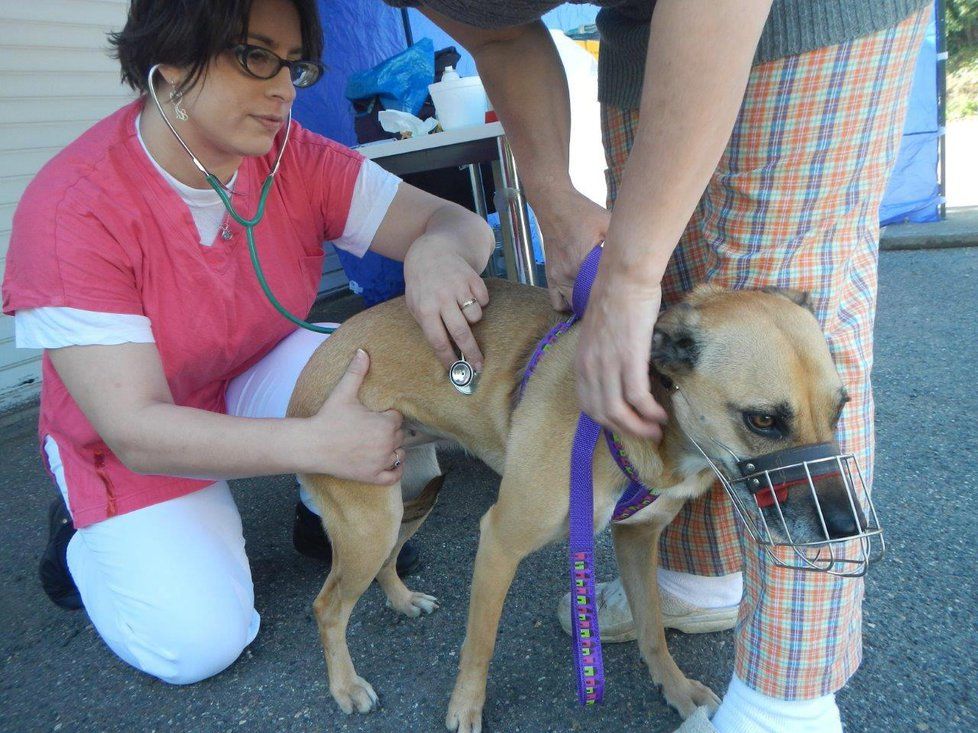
{"points": [[263, 64]]}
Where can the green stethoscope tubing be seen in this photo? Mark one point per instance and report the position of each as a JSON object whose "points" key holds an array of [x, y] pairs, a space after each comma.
{"points": [[248, 224]]}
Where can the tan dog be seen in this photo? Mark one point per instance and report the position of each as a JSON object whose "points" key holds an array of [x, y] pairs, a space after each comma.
{"points": [[755, 375]]}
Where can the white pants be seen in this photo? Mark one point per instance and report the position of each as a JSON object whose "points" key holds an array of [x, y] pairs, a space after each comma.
{"points": [[168, 587]]}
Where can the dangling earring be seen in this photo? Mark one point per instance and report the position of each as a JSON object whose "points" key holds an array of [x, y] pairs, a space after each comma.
{"points": [[180, 112]]}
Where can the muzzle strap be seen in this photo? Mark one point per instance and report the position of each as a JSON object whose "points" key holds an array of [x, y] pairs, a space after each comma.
{"points": [[769, 482]]}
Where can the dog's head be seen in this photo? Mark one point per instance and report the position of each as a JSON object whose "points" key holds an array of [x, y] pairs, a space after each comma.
{"points": [[751, 375]]}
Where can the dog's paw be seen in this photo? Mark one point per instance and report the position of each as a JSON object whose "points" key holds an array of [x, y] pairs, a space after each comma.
{"points": [[464, 718], [688, 695], [355, 695], [414, 604]]}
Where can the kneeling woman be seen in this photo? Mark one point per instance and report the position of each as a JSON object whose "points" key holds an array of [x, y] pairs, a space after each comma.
{"points": [[166, 370]]}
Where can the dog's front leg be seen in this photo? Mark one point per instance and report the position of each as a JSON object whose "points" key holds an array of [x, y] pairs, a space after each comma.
{"points": [[495, 566], [509, 531], [637, 552]]}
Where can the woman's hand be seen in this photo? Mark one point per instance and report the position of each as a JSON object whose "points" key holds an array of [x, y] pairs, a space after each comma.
{"points": [[613, 355], [571, 225], [444, 248], [445, 294], [355, 443]]}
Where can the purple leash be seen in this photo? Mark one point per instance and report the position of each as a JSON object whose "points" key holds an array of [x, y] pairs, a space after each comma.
{"points": [[637, 495], [586, 635], [584, 609]]}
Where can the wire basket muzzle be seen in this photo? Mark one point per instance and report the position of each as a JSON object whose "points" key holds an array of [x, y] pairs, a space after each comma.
{"points": [[809, 507]]}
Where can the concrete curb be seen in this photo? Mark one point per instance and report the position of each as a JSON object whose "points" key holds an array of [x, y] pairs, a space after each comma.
{"points": [[959, 229], [18, 421]]}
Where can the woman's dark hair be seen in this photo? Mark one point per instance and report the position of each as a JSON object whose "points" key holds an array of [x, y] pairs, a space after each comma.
{"points": [[189, 33]]}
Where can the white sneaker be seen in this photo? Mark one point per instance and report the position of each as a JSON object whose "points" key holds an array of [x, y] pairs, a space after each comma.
{"points": [[698, 722], [615, 618]]}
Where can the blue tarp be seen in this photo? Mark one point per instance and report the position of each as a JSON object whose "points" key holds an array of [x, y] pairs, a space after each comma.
{"points": [[912, 193], [360, 34]]}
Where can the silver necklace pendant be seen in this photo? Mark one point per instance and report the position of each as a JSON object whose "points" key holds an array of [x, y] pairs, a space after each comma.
{"points": [[226, 232], [464, 378]]}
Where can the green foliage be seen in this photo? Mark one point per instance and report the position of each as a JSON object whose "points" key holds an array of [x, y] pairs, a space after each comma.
{"points": [[961, 17], [962, 84]]}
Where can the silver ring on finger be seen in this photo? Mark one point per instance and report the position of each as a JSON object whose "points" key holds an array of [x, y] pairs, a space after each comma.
{"points": [[466, 304]]}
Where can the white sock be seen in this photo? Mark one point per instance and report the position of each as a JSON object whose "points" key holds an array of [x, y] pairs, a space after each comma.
{"points": [[703, 591], [306, 498], [745, 710]]}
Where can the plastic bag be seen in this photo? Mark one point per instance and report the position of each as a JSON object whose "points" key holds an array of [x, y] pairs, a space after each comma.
{"points": [[366, 112], [404, 124], [400, 82]]}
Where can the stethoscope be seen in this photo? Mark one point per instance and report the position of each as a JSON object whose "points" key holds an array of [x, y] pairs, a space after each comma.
{"points": [[463, 377], [248, 224]]}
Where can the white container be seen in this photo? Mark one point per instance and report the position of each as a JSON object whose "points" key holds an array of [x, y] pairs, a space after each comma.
{"points": [[459, 101]]}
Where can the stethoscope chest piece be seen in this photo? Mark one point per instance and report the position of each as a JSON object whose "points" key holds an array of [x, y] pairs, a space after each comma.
{"points": [[464, 378]]}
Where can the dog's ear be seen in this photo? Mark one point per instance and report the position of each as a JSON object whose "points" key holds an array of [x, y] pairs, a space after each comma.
{"points": [[676, 340], [798, 297]]}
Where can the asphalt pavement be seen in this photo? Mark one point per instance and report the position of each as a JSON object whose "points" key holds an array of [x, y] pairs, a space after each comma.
{"points": [[921, 633]]}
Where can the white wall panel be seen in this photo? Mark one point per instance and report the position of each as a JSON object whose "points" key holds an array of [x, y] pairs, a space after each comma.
{"points": [[56, 80]]}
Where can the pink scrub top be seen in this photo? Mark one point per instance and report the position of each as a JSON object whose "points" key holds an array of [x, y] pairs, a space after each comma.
{"points": [[99, 229]]}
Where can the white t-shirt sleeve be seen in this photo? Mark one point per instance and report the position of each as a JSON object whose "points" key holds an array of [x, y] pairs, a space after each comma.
{"points": [[372, 196], [54, 327]]}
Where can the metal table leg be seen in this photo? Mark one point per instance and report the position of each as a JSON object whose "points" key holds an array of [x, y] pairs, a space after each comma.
{"points": [[478, 192], [481, 207], [513, 217]]}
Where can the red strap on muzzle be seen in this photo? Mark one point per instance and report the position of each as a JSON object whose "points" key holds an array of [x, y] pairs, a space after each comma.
{"points": [[765, 497]]}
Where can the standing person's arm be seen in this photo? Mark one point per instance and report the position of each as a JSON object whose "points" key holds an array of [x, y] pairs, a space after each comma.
{"points": [[695, 75], [696, 72], [524, 78]]}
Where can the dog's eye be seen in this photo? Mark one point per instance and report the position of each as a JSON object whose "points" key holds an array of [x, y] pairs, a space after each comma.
{"points": [[764, 424], [761, 422]]}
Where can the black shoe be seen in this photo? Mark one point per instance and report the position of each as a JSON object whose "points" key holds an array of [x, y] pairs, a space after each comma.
{"points": [[53, 571], [309, 539]]}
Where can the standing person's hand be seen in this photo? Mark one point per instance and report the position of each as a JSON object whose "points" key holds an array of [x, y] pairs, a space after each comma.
{"points": [[613, 384], [571, 226], [356, 443], [445, 295]]}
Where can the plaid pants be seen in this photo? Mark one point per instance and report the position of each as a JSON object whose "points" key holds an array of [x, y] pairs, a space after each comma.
{"points": [[794, 203]]}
